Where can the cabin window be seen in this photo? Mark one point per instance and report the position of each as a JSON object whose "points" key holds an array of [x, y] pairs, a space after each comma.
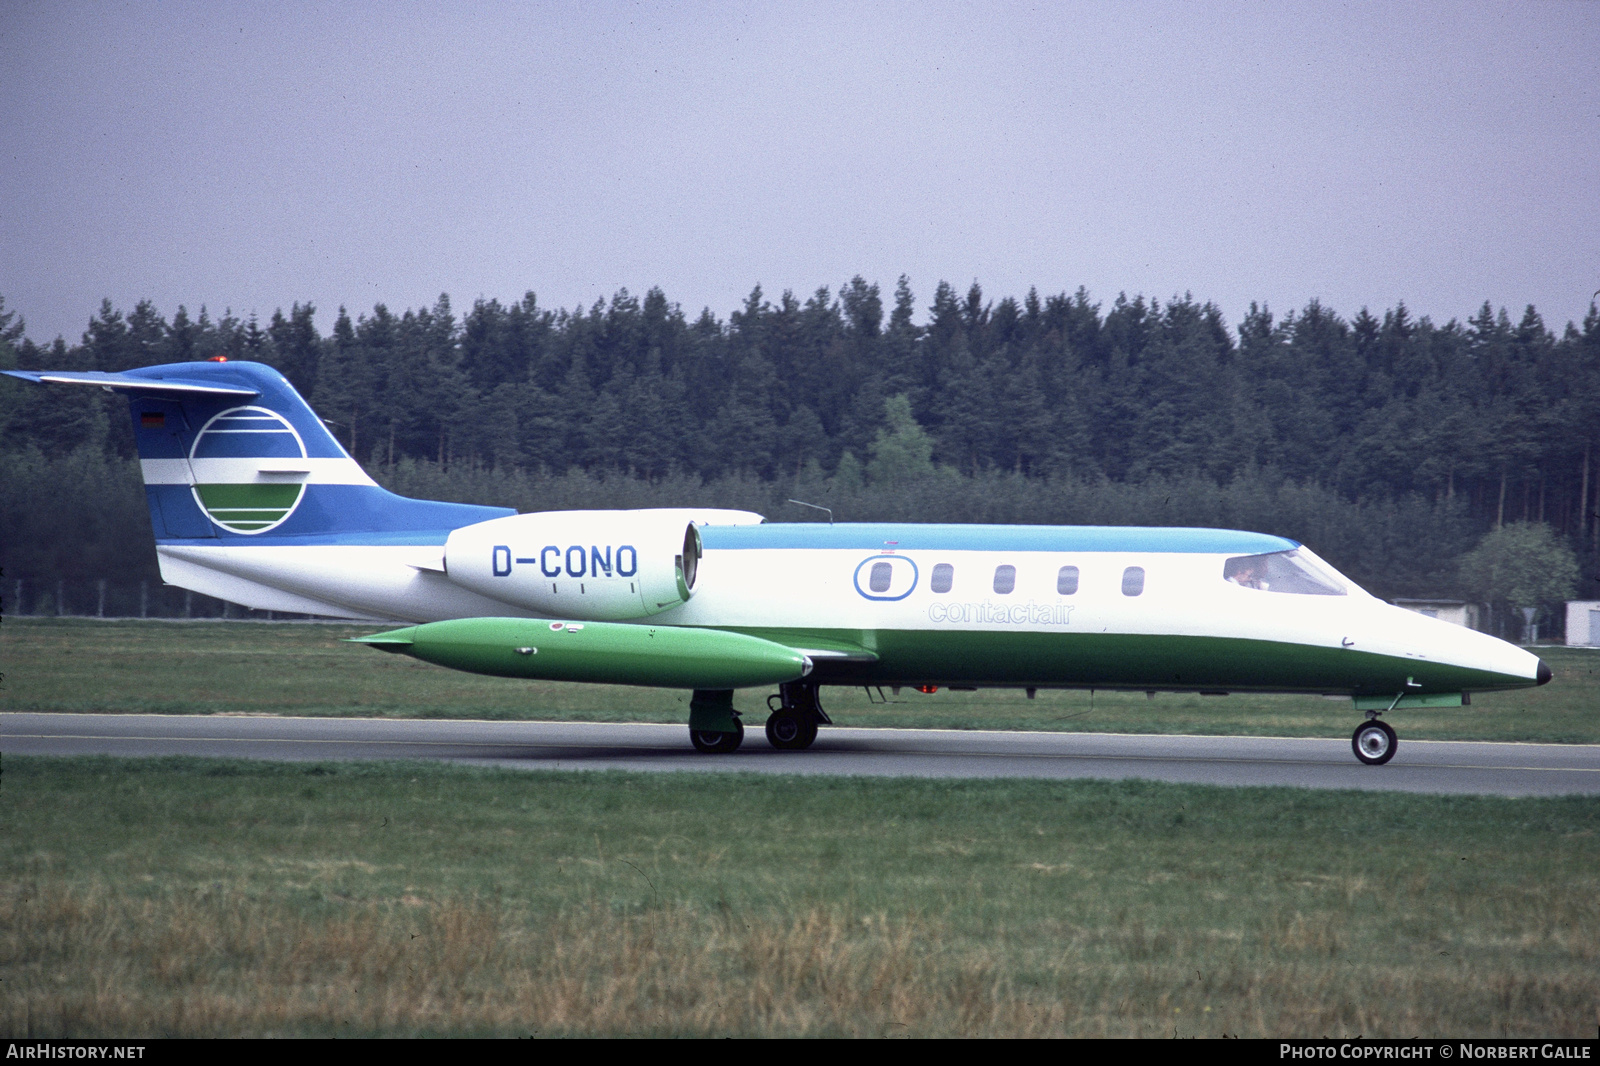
{"points": [[1290, 571], [943, 575], [1005, 579], [878, 580], [1067, 581], [1133, 581]]}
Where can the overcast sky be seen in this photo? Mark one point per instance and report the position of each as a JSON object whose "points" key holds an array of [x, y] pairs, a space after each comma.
{"points": [[254, 155]]}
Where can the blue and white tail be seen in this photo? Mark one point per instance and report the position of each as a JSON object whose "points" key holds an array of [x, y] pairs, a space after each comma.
{"points": [[231, 453]]}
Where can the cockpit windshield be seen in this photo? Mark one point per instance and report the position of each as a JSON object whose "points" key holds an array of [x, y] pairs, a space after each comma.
{"points": [[1290, 571]]}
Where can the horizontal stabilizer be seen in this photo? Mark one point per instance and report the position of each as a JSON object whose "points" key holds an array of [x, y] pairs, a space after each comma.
{"points": [[129, 382]]}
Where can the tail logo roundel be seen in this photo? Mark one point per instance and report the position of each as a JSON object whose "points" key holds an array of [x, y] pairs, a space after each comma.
{"points": [[232, 485]]}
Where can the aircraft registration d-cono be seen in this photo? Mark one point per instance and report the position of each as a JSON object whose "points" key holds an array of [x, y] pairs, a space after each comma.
{"points": [[252, 500]]}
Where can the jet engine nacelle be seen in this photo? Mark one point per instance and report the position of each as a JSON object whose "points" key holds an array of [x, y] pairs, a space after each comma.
{"points": [[597, 565]]}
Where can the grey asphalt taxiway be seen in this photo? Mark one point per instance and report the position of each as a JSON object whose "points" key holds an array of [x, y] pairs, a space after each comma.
{"points": [[1461, 767]]}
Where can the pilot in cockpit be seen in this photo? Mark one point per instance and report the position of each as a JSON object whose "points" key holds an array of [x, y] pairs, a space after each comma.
{"points": [[1247, 571]]}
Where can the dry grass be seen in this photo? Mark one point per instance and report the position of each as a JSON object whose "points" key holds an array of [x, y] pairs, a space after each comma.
{"points": [[201, 897], [94, 962]]}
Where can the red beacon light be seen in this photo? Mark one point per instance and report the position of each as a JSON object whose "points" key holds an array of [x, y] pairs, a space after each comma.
{"points": [[217, 359]]}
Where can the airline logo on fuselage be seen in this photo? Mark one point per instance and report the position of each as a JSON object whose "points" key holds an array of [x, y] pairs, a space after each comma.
{"points": [[1017, 614]]}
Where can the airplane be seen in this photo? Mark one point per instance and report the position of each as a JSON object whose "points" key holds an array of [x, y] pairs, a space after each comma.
{"points": [[254, 501]]}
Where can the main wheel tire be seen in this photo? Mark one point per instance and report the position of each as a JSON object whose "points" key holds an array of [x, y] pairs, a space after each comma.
{"points": [[788, 731], [1374, 742], [716, 742]]}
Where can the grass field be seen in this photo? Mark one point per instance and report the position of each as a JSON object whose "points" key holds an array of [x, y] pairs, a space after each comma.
{"points": [[190, 897], [195, 897], [77, 665]]}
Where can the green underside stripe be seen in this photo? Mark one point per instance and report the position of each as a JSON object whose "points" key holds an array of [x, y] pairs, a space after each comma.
{"points": [[1132, 661]]}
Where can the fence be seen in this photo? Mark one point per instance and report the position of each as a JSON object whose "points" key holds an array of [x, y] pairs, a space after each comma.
{"points": [[105, 598]]}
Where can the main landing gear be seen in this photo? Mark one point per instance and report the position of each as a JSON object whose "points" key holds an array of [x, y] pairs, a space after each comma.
{"points": [[792, 725], [1374, 741], [717, 742], [714, 725], [715, 729]]}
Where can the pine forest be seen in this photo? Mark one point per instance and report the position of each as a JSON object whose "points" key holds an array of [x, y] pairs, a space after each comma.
{"points": [[1389, 443]]}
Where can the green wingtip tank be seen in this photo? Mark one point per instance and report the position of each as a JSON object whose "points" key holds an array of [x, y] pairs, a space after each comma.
{"points": [[606, 652]]}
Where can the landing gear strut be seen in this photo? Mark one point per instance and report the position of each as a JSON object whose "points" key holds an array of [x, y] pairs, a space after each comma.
{"points": [[1374, 741], [792, 726]]}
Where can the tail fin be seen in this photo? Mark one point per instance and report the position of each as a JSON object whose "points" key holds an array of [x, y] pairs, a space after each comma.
{"points": [[230, 451]]}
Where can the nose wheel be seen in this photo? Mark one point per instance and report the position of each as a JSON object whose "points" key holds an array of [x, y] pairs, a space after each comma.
{"points": [[1374, 742]]}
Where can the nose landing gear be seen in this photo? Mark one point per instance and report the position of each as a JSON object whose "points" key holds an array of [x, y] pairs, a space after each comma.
{"points": [[792, 726], [1374, 741]]}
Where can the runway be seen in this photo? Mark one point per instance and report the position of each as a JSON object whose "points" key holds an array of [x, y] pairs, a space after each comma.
{"points": [[1458, 767]]}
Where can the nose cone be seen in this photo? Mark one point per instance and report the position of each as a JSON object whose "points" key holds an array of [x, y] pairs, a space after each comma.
{"points": [[1544, 674]]}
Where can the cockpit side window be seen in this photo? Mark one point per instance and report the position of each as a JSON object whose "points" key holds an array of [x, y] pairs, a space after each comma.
{"points": [[1288, 571]]}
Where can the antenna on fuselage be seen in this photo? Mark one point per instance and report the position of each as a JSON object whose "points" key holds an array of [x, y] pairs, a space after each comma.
{"points": [[803, 503]]}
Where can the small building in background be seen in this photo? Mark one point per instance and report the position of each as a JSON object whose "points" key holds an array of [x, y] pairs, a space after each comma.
{"points": [[1583, 622], [1460, 612]]}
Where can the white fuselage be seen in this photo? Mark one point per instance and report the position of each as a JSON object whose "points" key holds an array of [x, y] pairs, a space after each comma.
{"points": [[823, 591]]}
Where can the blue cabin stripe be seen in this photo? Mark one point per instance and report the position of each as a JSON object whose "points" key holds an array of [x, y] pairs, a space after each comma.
{"points": [[881, 536]]}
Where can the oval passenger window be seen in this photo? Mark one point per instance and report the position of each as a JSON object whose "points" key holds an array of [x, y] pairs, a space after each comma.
{"points": [[943, 574], [1067, 580], [879, 580], [1005, 579], [1133, 581]]}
